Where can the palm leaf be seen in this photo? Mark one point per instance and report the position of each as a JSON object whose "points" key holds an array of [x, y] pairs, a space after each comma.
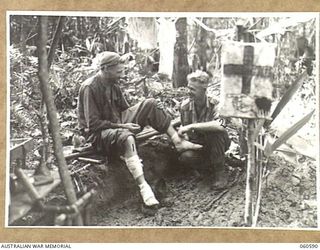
{"points": [[287, 97], [270, 148]]}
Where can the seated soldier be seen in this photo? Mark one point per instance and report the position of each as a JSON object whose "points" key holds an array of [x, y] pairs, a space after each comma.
{"points": [[199, 119], [107, 121]]}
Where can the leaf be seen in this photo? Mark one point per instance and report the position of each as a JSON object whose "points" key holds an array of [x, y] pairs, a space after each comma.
{"points": [[88, 44], [287, 96], [303, 147], [65, 124], [281, 26], [270, 148], [37, 133]]}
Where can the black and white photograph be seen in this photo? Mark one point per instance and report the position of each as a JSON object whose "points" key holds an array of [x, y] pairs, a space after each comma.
{"points": [[158, 119]]}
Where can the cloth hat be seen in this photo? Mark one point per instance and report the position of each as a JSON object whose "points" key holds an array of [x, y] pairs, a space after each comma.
{"points": [[199, 76], [108, 58]]}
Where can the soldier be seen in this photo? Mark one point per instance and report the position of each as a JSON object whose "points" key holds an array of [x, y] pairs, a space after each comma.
{"points": [[107, 121], [201, 125]]}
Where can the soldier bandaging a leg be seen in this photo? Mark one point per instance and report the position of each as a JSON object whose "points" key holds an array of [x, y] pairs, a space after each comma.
{"points": [[200, 124], [107, 121]]}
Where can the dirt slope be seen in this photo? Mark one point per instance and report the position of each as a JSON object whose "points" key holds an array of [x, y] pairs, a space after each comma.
{"points": [[288, 201]]}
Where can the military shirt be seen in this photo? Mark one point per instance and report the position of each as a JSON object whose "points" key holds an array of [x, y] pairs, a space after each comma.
{"points": [[208, 113], [97, 109]]}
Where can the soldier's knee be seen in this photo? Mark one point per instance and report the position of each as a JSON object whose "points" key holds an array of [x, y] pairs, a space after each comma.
{"points": [[130, 139], [124, 137]]}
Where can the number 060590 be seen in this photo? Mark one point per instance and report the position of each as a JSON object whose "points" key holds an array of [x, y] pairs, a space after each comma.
{"points": [[309, 246]]}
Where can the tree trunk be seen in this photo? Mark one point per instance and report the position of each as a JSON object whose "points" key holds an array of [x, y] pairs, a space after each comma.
{"points": [[55, 40], [202, 47], [180, 64], [44, 166], [23, 35], [52, 114]]}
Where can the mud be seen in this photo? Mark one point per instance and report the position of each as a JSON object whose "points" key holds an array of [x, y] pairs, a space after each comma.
{"points": [[288, 196], [187, 196]]}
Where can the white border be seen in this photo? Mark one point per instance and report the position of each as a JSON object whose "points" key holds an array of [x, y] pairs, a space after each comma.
{"points": [[7, 173], [317, 53], [162, 14]]}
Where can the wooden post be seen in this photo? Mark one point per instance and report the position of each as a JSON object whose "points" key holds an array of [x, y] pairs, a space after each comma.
{"points": [[180, 64], [248, 215], [259, 175], [56, 38], [52, 114]]}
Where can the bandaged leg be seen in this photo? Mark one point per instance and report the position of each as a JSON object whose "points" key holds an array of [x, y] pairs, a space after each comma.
{"points": [[135, 168]]}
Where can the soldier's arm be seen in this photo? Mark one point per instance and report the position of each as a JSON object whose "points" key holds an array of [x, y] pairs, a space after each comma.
{"points": [[92, 116], [201, 126]]}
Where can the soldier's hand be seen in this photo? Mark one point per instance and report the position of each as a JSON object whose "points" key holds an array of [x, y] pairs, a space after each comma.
{"points": [[133, 127], [182, 132]]}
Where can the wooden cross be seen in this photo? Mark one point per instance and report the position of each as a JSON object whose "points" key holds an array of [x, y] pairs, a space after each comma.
{"points": [[247, 70]]}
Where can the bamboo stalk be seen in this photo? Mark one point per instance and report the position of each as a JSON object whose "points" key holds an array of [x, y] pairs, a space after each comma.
{"points": [[90, 160], [31, 190], [60, 220], [52, 114], [257, 207], [75, 208], [79, 170], [258, 128], [87, 214], [259, 183], [75, 155], [250, 178]]}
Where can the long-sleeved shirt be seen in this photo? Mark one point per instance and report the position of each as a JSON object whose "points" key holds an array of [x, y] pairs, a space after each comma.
{"points": [[97, 109]]}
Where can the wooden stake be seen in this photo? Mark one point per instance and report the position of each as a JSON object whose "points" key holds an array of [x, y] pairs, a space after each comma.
{"points": [[250, 176], [259, 181]]}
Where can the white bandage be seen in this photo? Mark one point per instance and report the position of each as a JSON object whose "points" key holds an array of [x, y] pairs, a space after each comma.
{"points": [[147, 194], [135, 166]]}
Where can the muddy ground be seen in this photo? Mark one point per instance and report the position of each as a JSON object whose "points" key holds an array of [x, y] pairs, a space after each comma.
{"points": [[187, 196], [288, 194]]}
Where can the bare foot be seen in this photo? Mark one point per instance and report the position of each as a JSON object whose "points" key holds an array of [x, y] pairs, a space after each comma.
{"points": [[184, 145]]}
